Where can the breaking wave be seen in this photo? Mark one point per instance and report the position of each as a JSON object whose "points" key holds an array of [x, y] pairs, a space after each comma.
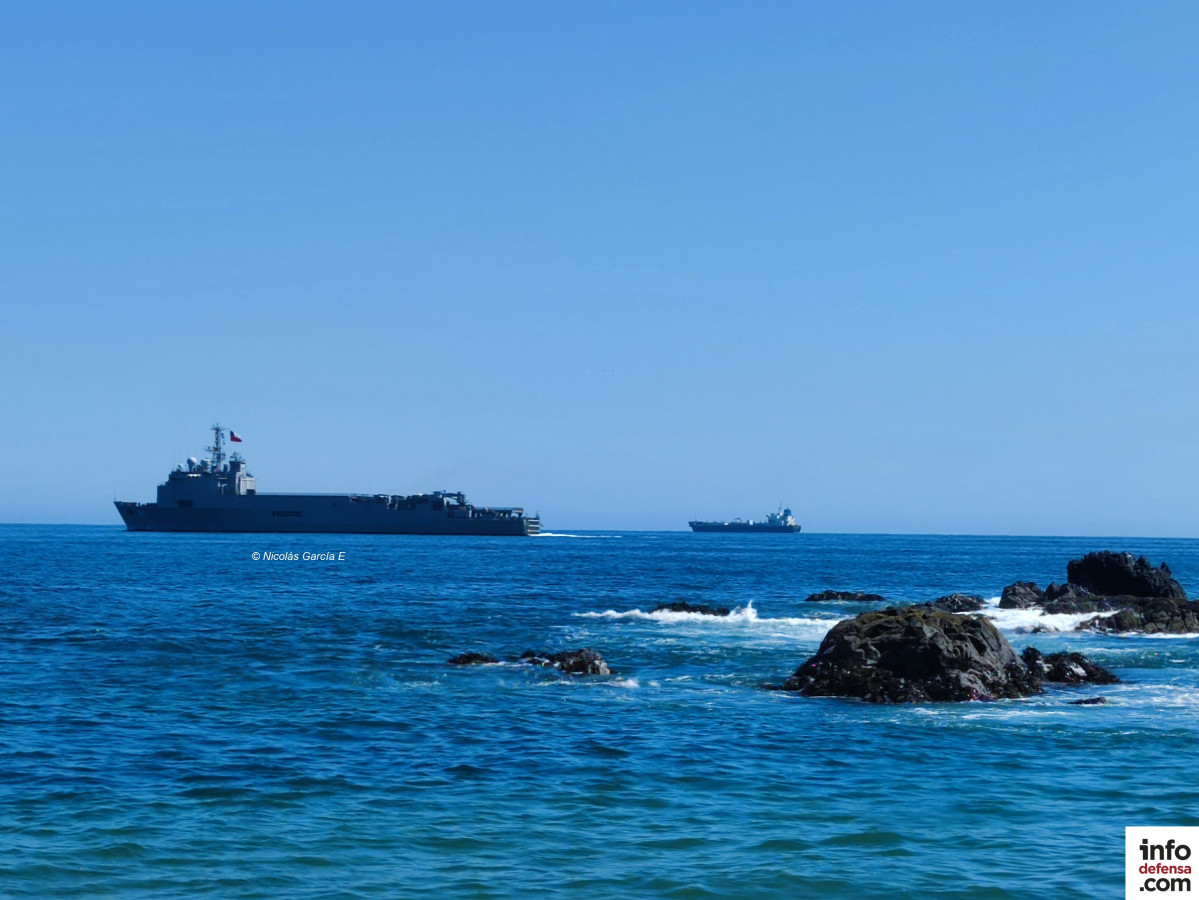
{"points": [[1027, 621], [742, 616]]}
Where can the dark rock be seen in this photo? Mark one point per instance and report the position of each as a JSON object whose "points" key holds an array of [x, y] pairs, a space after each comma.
{"points": [[472, 659], [958, 603], [845, 596], [1111, 573], [581, 662], [1139, 596], [1150, 615], [1065, 668], [914, 654], [682, 606], [572, 662], [1071, 598], [1021, 595], [1124, 620], [1089, 701], [1066, 591]]}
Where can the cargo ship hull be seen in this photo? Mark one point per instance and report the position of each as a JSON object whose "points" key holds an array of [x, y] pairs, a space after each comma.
{"points": [[743, 527], [781, 522]]}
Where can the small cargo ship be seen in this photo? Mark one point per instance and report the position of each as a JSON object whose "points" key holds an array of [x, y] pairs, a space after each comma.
{"points": [[217, 493], [781, 522]]}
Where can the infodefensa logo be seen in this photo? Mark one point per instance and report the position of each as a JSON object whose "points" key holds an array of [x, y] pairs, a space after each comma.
{"points": [[1158, 863]]}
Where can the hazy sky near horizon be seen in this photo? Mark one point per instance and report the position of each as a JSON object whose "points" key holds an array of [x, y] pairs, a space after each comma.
{"points": [[922, 267]]}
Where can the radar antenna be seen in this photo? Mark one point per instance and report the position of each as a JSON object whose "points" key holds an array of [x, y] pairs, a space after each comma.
{"points": [[218, 448]]}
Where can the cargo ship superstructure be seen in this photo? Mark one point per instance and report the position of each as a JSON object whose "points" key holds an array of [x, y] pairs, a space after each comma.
{"points": [[218, 493], [781, 522]]}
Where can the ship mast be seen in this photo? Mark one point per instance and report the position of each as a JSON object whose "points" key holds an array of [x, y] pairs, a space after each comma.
{"points": [[218, 448]]}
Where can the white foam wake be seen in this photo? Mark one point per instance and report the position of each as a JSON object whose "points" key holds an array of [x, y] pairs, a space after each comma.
{"points": [[581, 537]]}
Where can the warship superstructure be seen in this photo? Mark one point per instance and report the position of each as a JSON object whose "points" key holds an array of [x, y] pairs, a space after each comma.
{"points": [[218, 493], [781, 522]]}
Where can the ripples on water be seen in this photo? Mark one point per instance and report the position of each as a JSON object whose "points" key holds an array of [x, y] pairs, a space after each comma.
{"points": [[178, 720]]}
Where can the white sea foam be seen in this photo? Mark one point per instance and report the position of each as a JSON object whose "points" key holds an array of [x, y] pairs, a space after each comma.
{"points": [[741, 615], [1157, 637], [1025, 621], [743, 619]]}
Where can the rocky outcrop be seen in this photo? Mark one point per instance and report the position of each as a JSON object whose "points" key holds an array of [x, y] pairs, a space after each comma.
{"points": [[1153, 615], [1065, 668], [472, 659], [957, 603], [1138, 596], [572, 662], [682, 606], [914, 654], [1021, 595], [1071, 598], [845, 597], [1115, 574], [918, 654]]}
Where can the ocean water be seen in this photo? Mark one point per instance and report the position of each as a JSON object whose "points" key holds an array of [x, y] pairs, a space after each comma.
{"points": [[180, 720]]}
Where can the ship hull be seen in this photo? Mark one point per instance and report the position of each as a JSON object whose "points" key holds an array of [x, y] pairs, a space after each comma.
{"points": [[319, 514], [743, 528]]}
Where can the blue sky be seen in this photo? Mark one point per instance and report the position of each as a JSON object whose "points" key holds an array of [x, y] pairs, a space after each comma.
{"points": [[924, 267]]}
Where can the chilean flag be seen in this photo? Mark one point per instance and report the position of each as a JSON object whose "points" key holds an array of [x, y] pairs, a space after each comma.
{"points": [[233, 436]]}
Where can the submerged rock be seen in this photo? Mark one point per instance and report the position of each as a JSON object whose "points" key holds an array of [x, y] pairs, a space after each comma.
{"points": [[1021, 595], [682, 606], [914, 654], [957, 603], [1089, 701], [845, 597], [573, 662], [581, 662], [1065, 668], [472, 659], [1114, 574]]}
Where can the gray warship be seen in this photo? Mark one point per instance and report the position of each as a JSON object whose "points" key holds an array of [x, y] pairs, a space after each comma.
{"points": [[219, 494], [781, 522]]}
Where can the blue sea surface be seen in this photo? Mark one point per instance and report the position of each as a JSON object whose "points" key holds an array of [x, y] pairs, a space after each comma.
{"points": [[180, 720]]}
